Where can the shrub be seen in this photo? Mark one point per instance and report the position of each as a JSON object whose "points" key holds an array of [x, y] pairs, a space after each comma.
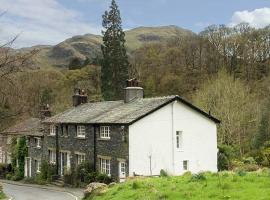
{"points": [[163, 173], [82, 172], [4, 170], [249, 160], [135, 185], [9, 176], [104, 178], [47, 171], [225, 154], [198, 177], [241, 173], [69, 178]]}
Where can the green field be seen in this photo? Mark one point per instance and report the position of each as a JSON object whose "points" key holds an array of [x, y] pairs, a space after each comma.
{"points": [[238, 186], [2, 195]]}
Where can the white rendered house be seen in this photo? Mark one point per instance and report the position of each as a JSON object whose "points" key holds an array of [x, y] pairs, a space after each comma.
{"points": [[176, 138]]}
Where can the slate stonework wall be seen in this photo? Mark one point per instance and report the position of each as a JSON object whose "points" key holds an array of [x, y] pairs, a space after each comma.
{"points": [[68, 141], [35, 153], [116, 148]]}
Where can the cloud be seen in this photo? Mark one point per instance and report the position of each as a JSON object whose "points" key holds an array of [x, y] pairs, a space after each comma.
{"points": [[257, 18], [40, 22]]}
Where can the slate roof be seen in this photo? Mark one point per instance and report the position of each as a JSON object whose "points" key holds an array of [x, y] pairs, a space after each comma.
{"points": [[118, 112], [30, 127]]}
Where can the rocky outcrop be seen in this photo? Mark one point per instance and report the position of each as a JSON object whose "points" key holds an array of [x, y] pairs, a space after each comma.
{"points": [[95, 188]]}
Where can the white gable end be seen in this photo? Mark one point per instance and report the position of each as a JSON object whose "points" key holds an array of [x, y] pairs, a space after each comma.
{"points": [[153, 142]]}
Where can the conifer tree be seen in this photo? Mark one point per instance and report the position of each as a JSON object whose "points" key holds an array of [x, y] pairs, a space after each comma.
{"points": [[115, 63]]}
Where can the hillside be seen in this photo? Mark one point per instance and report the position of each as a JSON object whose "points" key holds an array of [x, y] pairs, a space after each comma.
{"points": [[88, 45], [225, 185]]}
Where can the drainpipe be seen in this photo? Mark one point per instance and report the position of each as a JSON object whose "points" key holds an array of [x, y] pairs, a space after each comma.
{"points": [[95, 147], [57, 150], [173, 136]]}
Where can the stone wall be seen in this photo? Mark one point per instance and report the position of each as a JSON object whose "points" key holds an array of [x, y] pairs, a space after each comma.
{"points": [[115, 148]]}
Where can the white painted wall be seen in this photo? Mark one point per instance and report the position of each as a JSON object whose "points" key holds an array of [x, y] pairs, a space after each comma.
{"points": [[155, 136]]}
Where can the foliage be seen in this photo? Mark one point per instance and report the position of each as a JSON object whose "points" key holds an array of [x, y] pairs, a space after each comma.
{"points": [[225, 155], [114, 70], [84, 174], [264, 127], [218, 186], [163, 173], [231, 100], [198, 177], [75, 63], [46, 171], [5, 169], [19, 152]]}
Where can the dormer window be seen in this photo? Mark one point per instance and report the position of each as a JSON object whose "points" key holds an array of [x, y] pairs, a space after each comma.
{"points": [[105, 132], [52, 130], [81, 131]]}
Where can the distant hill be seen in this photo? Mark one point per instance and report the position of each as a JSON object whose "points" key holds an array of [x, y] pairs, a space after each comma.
{"points": [[88, 45]]}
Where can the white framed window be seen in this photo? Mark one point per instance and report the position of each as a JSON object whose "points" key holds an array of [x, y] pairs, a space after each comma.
{"points": [[81, 131], [105, 166], [52, 130], [179, 140], [185, 165], [52, 156], [122, 167], [38, 165], [105, 132], [80, 157], [38, 142]]}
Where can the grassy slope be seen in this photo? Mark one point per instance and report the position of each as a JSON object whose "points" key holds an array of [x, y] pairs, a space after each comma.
{"points": [[2, 195], [223, 186]]}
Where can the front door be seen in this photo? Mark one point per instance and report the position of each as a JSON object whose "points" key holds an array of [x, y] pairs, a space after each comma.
{"points": [[64, 162], [27, 170], [122, 171]]}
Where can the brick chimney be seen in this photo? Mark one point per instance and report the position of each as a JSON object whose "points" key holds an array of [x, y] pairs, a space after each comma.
{"points": [[45, 112], [132, 90], [79, 97]]}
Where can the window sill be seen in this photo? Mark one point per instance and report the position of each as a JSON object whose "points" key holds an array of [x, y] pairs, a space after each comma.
{"points": [[80, 137], [179, 150], [104, 139], [51, 135]]}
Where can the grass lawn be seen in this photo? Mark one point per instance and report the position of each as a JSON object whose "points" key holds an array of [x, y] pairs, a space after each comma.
{"points": [[239, 186], [2, 195]]}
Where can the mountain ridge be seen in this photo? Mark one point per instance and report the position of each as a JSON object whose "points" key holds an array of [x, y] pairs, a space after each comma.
{"points": [[88, 45]]}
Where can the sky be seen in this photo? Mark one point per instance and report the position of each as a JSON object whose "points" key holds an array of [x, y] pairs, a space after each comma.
{"points": [[49, 22]]}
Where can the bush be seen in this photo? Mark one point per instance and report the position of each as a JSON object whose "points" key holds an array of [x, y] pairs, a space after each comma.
{"points": [[9, 176], [225, 155], [135, 185], [82, 172], [249, 160], [103, 178], [241, 173], [163, 173], [47, 171], [4, 170], [198, 177]]}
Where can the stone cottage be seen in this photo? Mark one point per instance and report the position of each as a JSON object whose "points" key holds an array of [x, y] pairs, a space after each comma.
{"points": [[32, 129], [133, 136]]}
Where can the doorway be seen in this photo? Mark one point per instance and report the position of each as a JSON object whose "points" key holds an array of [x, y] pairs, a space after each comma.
{"points": [[122, 171]]}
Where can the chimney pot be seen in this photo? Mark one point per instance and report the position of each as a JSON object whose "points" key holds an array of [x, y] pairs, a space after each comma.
{"points": [[132, 91], [79, 97]]}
